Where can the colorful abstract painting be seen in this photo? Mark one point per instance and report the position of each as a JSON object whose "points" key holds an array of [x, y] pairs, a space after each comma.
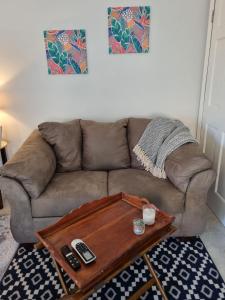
{"points": [[66, 51], [129, 29]]}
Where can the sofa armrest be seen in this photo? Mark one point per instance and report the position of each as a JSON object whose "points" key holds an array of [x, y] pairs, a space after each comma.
{"points": [[182, 164], [33, 165], [195, 213], [21, 222]]}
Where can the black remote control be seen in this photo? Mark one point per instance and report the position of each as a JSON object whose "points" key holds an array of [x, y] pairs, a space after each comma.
{"points": [[70, 257]]}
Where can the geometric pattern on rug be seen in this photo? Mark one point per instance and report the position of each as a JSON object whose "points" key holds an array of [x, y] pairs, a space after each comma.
{"points": [[184, 267]]}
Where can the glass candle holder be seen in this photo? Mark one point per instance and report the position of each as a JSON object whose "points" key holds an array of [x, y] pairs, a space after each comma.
{"points": [[148, 214], [138, 226]]}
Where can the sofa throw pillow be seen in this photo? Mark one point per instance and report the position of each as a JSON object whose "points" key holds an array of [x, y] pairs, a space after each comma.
{"points": [[65, 138], [105, 145]]}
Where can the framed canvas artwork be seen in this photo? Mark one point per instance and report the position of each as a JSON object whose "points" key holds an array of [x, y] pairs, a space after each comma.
{"points": [[66, 51], [128, 29]]}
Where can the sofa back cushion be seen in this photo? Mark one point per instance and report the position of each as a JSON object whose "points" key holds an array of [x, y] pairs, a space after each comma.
{"points": [[105, 145], [136, 127], [65, 138]]}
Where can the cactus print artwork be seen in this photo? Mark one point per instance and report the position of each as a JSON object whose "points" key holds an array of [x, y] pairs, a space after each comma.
{"points": [[129, 29], [66, 51]]}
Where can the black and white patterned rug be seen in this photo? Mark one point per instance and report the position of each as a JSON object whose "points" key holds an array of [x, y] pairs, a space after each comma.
{"points": [[184, 267], [8, 245]]}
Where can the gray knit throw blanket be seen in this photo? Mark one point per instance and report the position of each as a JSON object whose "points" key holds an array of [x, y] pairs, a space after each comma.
{"points": [[161, 137]]}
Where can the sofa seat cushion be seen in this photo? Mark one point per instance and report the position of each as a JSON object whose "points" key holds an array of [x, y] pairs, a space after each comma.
{"points": [[141, 183], [67, 191], [105, 145]]}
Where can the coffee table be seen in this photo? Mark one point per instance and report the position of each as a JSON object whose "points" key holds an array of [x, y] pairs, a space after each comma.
{"points": [[106, 226]]}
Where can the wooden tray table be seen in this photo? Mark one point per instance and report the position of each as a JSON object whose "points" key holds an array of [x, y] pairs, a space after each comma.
{"points": [[106, 226]]}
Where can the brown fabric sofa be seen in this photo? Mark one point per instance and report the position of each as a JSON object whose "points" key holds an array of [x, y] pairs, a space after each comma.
{"points": [[64, 165]]}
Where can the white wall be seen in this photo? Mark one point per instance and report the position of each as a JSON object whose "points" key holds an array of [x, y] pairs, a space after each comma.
{"points": [[167, 80]]}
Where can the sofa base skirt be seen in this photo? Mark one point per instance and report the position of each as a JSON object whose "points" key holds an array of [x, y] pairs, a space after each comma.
{"points": [[38, 224]]}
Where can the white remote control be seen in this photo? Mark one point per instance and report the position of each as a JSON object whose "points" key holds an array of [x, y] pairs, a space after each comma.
{"points": [[83, 251]]}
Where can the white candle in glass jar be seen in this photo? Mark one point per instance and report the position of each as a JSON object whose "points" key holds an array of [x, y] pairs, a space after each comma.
{"points": [[148, 215]]}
